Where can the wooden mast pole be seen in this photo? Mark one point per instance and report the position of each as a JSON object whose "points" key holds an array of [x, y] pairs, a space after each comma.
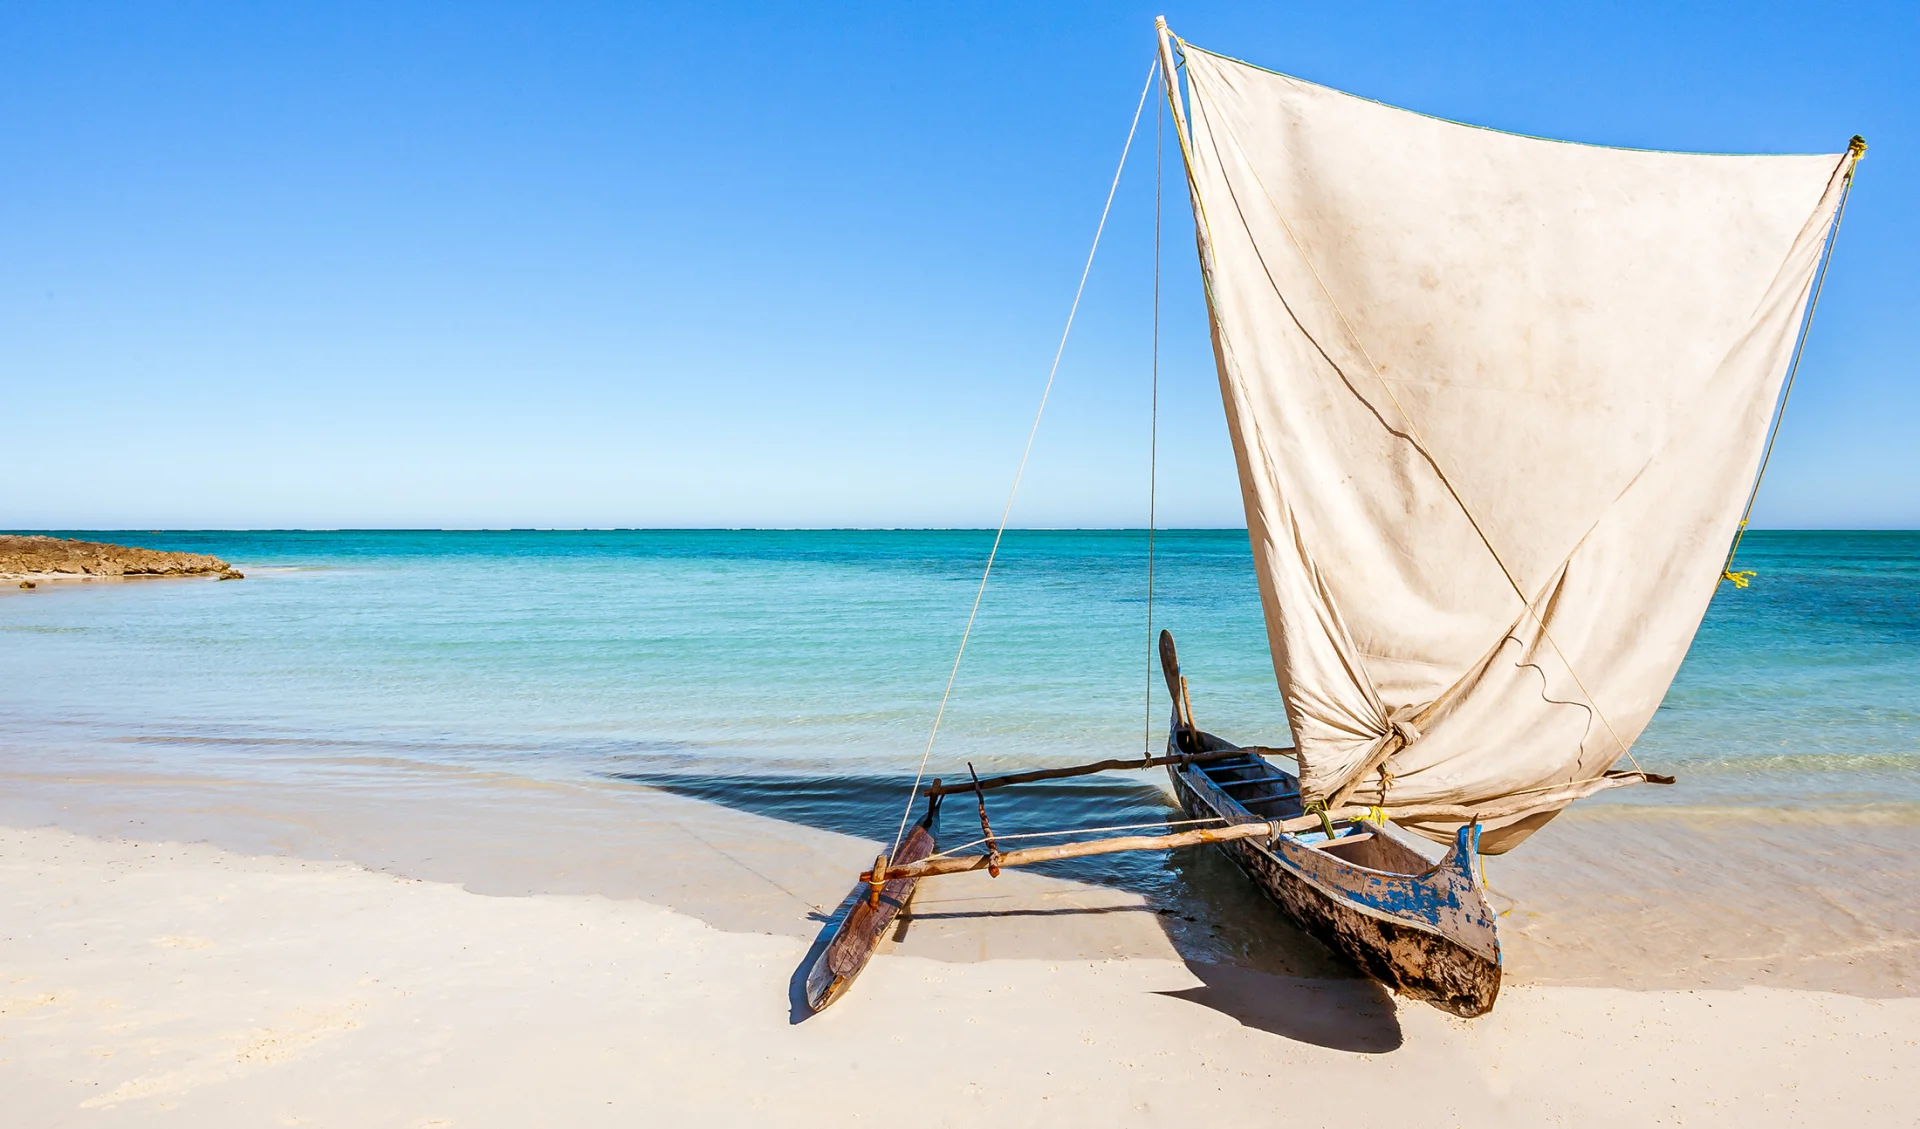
{"points": [[1167, 76], [1202, 237]]}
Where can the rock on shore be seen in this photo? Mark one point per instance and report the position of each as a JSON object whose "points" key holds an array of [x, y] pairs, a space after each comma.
{"points": [[34, 557]]}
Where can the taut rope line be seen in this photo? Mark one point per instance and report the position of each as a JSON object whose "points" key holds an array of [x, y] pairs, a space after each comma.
{"points": [[921, 772], [1856, 149], [1153, 430], [951, 851]]}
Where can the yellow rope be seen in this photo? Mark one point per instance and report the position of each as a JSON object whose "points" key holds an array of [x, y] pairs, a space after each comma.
{"points": [[1488, 887]]}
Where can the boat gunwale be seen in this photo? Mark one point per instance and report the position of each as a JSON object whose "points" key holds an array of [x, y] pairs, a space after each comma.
{"points": [[1456, 963], [1240, 814]]}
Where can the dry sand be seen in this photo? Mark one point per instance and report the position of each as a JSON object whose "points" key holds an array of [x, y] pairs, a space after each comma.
{"points": [[412, 946]]}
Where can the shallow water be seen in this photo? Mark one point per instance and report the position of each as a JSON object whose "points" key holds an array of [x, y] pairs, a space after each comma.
{"points": [[824, 654], [795, 674], [796, 653]]}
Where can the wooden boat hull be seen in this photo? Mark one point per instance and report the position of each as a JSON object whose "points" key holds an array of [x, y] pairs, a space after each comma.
{"points": [[1422, 928]]}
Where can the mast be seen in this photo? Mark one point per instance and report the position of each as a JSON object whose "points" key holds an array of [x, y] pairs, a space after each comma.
{"points": [[1171, 82], [1172, 86]]}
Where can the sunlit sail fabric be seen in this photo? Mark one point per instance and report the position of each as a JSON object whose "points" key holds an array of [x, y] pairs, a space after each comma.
{"points": [[1497, 403]]}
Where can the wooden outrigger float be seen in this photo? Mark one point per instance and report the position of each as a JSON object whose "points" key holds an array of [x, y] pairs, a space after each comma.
{"points": [[869, 910], [1500, 407]]}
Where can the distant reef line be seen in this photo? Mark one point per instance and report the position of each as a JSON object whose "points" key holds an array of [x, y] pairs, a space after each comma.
{"points": [[30, 559]]}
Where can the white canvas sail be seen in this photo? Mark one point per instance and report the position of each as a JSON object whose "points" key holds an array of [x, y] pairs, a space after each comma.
{"points": [[1497, 403]]}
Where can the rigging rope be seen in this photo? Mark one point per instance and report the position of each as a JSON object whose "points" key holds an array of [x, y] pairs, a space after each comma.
{"points": [[950, 851], [1856, 149], [1153, 429], [974, 613]]}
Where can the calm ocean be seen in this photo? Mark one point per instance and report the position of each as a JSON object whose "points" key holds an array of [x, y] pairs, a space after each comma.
{"points": [[799, 671]]}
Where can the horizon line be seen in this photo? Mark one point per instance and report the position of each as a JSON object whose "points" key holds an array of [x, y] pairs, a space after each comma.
{"points": [[50, 530]]}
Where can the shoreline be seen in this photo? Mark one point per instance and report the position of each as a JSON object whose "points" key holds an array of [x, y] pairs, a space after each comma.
{"points": [[1615, 897], [38, 578], [167, 983]]}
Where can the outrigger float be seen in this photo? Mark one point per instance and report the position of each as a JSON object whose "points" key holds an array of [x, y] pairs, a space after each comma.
{"points": [[1500, 408]]}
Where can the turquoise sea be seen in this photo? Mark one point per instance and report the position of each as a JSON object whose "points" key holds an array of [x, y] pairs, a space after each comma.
{"points": [[797, 673]]}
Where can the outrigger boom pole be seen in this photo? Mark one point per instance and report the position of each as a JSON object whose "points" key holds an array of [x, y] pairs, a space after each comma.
{"points": [[1031, 855], [1263, 830]]}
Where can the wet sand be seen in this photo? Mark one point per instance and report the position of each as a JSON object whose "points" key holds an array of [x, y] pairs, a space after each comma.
{"points": [[1608, 896], [1658, 897], [404, 942]]}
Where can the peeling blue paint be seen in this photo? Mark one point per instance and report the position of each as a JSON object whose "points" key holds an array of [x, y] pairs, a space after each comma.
{"points": [[1450, 890]]}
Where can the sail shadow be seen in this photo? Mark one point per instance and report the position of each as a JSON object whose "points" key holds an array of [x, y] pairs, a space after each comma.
{"points": [[1355, 1015], [869, 807]]}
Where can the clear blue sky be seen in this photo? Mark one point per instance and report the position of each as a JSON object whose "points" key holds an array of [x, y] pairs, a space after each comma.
{"points": [[393, 264]]}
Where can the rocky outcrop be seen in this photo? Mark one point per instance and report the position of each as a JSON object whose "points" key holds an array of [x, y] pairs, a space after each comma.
{"points": [[53, 557]]}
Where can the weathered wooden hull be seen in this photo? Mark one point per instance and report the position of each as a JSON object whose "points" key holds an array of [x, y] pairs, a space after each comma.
{"points": [[859, 931], [1419, 927]]}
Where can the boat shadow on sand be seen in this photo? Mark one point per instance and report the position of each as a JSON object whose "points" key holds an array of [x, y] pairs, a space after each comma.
{"points": [[1253, 965]]}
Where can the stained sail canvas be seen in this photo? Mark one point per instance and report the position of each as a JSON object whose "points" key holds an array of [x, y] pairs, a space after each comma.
{"points": [[1497, 403]]}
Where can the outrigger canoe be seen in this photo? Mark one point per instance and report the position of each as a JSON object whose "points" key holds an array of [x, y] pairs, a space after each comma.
{"points": [[1500, 408], [1364, 888]]}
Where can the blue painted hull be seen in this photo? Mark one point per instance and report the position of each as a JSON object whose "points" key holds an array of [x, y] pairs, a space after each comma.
{"points": [[1371, 893]]}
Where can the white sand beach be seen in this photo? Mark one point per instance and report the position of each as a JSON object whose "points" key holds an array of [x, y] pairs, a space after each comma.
{"points": [[512, 510], [607, 956]]}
